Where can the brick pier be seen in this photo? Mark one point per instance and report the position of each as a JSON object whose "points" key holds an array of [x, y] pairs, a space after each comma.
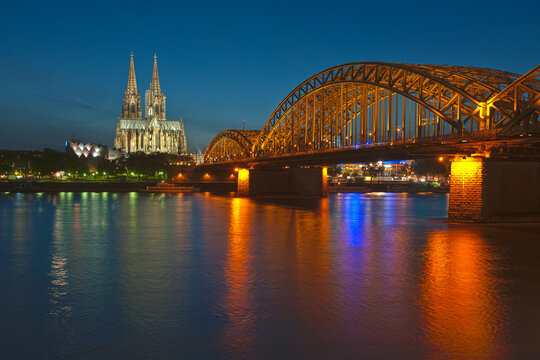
{"points": [[484, 189]]}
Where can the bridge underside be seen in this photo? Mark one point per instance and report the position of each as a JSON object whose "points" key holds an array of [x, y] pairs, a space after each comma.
{"points": [[292, 182], [482, 189], [515, 145], [372, 111]]}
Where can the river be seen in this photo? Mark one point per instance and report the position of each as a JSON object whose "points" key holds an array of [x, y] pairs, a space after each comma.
{"points": [[200, 276]]}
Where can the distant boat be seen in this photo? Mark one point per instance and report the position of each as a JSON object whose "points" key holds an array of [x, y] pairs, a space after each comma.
{"points": [[165, 187]]}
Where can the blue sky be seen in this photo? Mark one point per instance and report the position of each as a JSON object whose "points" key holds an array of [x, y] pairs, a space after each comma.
{"points": [[64, 65]]}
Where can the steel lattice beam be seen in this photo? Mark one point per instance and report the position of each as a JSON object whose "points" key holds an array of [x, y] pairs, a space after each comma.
{"points": [[365, 103]]}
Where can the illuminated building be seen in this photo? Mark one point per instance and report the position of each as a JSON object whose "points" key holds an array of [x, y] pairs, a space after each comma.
{"points": [[92, 150], [198, 156], [154, 133]]}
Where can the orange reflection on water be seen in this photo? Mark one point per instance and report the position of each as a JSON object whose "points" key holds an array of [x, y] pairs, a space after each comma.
{"points": [[237, 303], [459, 297], [313, 269]]}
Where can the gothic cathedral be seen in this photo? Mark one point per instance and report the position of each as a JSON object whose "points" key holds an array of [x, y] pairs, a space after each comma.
{"points": [[155, 133]]}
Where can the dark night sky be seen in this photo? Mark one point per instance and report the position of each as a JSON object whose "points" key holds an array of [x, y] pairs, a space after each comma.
{"points": [[64, 66]]}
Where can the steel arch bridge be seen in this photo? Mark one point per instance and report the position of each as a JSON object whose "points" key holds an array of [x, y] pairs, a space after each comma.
{"points": [[231, 145], [365, 104]]}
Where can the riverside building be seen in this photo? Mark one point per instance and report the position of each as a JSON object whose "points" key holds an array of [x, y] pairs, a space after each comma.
{"points": [[154, 133]]}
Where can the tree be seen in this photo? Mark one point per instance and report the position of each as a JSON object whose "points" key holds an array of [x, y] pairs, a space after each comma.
{"points": [[431, 167], [110, 167], [334, 171], [146, 164]]}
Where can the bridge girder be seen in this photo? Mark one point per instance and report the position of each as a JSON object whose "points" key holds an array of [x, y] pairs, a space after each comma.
{"points": [[373, 102]]}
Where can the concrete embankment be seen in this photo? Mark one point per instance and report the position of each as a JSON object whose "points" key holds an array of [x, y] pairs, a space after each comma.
{"points": [[119, 186], [74, 186], [385, 187]]}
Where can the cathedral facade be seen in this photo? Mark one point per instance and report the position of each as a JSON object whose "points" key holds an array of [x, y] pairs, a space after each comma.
{"points": [[154, 133]]}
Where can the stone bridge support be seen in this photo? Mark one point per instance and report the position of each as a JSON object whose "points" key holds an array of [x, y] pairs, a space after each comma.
{"points": [[484, 189], [294, 181]]}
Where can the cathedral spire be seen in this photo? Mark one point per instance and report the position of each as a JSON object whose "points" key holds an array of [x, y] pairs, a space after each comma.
{"points": [[132, 81], [155, 99], [154, 85], [132, 99]]}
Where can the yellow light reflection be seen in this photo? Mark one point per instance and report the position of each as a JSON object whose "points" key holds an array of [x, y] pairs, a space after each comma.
{"points": [[237, 303], [58, 289], [59, 284], [459, 297], [311, 232]]}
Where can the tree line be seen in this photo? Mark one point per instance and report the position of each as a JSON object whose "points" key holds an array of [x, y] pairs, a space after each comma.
{"points": [[49, 162]]}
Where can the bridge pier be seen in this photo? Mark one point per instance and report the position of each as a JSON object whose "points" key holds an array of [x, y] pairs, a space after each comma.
{"points": [[292, 181], [484, 189]]}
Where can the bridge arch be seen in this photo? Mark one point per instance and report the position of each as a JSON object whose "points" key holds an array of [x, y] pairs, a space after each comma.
{"points": [[373, 103], [230, 145], [444, 100]]}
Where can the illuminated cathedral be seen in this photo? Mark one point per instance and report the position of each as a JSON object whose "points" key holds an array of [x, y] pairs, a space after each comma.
{"points": [[154, 133]]}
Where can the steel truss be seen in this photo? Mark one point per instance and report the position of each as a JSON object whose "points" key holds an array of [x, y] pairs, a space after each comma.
{"points": [[358, 104], [231, 145]]}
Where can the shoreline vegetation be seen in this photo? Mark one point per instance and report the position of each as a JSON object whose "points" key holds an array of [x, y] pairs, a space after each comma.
{"points": [[73, 186]]}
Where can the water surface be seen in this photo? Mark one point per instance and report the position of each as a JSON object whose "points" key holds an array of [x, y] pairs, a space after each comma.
{"points": [[196, 276]]}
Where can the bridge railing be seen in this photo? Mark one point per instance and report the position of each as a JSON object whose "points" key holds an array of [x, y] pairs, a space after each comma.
{"points": [[466, 136]]}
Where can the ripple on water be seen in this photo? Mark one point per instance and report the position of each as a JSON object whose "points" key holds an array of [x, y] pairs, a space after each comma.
{"points": [[88, 275]]}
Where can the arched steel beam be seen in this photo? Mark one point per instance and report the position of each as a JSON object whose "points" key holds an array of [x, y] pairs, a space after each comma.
{"points": [[262, 140], [240, 137], [404, 79], [451, 96]]}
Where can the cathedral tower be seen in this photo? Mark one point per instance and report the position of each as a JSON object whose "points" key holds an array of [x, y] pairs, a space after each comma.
{"points": [[154, 134], [155, 100], [132, 98]]}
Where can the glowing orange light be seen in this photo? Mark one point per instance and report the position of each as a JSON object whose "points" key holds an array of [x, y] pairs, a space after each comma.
{"points": [[466, 168], [483, 109], [238, 301], [243, 175], [441, 158], [324, 180], [243, 182]]}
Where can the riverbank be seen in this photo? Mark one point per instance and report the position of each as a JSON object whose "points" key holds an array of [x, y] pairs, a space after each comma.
{"points": [[74, 186], [386, 187], [128, 186]]}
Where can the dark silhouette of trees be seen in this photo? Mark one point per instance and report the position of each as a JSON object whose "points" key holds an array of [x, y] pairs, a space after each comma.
{"points": [[431, 167], [42, 163], [47, 162]]}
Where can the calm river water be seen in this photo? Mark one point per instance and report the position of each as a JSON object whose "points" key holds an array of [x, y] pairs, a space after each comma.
{"points": [[197, 276]]}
